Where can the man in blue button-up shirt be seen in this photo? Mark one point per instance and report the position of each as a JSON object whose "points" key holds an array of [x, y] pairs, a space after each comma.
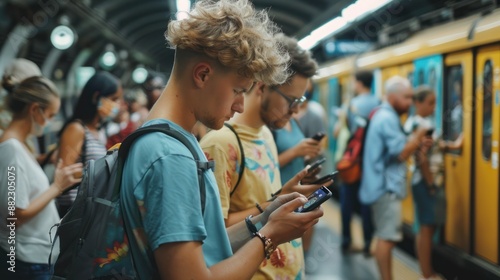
{"points": [[384, 170]]}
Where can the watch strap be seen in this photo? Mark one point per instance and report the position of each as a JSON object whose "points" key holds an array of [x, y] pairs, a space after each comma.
{"points": [[251, 227]]}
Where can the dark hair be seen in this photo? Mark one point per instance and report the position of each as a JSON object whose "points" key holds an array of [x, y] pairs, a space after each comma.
{"points": [[148, 84], [104, 84], [365, 78], [31, 90], [301, 61], [422, 92]]}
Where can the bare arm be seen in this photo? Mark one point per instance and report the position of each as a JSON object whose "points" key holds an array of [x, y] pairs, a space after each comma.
{"points": [[413, 144], [424, 166], [236, 217], [184, 260], [62, 180], [307, 147], [71, 143], [457, 144], [291, 186]]}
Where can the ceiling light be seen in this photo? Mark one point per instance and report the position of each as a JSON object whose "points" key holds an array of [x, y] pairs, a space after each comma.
{"points": [[183, 8], [62, 37], [108, 59], [139, 75], [349, 14]]}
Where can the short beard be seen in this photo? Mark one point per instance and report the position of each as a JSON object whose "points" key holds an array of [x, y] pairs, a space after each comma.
{"points": [[266, 116]]}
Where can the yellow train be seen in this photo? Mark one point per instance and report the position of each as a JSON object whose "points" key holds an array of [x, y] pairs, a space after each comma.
{"points": [[461, 60]]}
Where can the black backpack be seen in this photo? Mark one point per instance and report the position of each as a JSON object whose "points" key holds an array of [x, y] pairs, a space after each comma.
{"points": [[93, 234]]}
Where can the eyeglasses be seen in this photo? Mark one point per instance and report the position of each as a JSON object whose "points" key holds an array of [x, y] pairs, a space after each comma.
{"points": [[294, 103]]}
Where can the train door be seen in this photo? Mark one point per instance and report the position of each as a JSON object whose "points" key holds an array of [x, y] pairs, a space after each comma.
{"points": [[486, 154], [457, 128]]}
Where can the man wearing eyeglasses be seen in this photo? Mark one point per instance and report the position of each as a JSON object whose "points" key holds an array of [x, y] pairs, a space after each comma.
{"points": [[247, 193], [294, 149]]}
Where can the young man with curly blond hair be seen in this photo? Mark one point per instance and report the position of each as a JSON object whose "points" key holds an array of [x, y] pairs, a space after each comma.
{"points": [[221, 49], [266, 106]]}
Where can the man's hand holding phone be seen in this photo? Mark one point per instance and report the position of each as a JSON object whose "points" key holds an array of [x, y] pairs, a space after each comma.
{"points": [[325, 179], [312, 172], [284, 224], [294, 185], [318, 136], [315, 200], [315, 165], [308, 148]]}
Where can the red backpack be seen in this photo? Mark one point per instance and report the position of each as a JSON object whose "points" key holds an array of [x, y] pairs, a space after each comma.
{"points": [[349, 166]]}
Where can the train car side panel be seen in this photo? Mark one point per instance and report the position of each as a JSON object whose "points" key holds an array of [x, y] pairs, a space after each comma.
{"points": [[486, 154], [457, 124]]}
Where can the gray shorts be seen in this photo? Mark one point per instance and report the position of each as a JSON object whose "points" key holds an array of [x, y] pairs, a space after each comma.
{"points": [[386, 213]]}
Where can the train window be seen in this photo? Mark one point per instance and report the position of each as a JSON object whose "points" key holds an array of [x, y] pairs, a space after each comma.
{"points": [[432, 78], [410, 77], [453, 119], [420, 77], [487, 108]]}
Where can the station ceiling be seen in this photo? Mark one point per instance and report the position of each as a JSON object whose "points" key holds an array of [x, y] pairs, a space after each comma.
{"points": [[135, 28]]}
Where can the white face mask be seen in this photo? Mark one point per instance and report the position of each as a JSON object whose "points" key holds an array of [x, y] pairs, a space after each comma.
{"points": [[113, 112], [37, 129]]}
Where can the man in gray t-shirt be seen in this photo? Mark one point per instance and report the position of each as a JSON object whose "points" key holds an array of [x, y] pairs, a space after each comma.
{"points": [[312, 116]]}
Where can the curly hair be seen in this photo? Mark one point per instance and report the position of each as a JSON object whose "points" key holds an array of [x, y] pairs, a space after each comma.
{"points": [[236, 35], [301, 61]]}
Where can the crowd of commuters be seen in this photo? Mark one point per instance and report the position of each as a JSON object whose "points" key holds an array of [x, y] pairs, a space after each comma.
{"points": [[262, 149]]}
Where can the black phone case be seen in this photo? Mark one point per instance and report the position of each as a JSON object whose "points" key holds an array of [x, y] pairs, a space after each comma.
{"points": [[318, 136], [317, 203], [325, 178], [316, 164]]}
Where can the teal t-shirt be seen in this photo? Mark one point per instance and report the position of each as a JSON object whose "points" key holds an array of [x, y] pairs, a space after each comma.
{"points": [[160, 180], [285, 140]]}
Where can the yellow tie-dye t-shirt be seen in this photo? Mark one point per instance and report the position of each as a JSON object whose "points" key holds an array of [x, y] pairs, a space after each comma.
{"points": [[261, 178]]}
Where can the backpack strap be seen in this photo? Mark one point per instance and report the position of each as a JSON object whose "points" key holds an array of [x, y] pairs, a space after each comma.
{"points": [[242, 153], [201, 167], [164, 128], [370, 117]]}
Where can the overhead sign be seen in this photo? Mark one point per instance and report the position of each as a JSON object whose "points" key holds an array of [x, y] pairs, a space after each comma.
{"points": [[334, 48]]}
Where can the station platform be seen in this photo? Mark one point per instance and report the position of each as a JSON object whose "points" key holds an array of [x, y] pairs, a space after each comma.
{"points": [[326, 261]]}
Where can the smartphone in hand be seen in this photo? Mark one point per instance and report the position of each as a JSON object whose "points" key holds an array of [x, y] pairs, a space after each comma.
{"points": [[318, 136], [429, 132], [325, 178], [316, 164], [315, 200]]}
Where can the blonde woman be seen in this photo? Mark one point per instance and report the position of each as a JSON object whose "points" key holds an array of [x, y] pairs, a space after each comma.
{"points": [[26, 196]]}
